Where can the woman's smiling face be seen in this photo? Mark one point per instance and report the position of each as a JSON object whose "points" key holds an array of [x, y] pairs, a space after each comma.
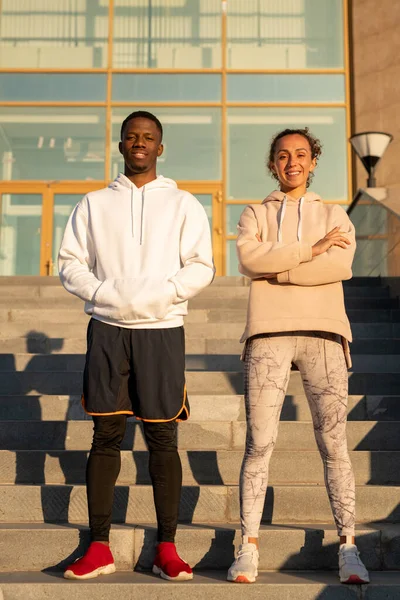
{"points": [[293, 162]]}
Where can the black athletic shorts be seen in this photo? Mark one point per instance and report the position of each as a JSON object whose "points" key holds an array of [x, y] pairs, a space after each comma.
{"points": [[138, 372]]}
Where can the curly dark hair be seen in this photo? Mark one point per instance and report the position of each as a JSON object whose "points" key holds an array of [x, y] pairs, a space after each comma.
{"points": [[315, 145]]}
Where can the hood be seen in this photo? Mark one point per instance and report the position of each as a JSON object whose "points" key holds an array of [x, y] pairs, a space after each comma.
{"points": [[278, 196], [122, 182], [285, 199]]}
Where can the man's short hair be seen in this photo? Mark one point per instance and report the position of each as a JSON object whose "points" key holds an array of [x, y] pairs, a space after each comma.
{"points": [[142, 114]]}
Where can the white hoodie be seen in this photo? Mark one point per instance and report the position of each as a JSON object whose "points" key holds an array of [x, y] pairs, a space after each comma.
{"points": [[137, 255]]}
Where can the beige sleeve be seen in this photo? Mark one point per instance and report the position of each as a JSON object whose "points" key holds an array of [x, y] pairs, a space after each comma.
{"points": [[331, 266], [259, 259]]}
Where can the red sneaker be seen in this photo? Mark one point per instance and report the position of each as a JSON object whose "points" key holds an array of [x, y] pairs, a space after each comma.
{"points": [[97, 560], [169, 565]]}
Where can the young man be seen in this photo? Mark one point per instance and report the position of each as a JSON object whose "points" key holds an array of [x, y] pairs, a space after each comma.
{"points": [[136, 252]]}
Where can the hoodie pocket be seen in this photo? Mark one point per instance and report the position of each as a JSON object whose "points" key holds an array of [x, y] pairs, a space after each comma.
{"points": [[134, 299]]}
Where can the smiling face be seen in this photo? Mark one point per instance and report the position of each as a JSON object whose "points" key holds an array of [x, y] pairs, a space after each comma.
{"points": [[141, 146], [292, 163]]}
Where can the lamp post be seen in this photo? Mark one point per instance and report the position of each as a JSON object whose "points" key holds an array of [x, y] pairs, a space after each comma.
{"points": [[370, 147]]}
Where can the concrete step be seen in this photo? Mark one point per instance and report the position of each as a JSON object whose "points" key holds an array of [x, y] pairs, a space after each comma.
{"points": [[200, 467], [45, 318], [285, 504], [136, 586], [218, 330], [206, 435], [211, 298], [44, 345], [202, 408], [209, 331], [365, 363], [210, 546], [34, 382]]}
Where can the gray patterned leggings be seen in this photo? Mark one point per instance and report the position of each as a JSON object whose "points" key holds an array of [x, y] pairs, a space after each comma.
{"points": [[320, 359]]}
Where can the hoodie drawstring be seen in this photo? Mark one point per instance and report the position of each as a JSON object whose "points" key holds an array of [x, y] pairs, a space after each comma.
{"points": [[282, 216], [299, 226], [142, 216], [132, 219]]}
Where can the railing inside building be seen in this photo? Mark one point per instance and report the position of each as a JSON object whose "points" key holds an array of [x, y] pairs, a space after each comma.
{"points": [[378, 240]]}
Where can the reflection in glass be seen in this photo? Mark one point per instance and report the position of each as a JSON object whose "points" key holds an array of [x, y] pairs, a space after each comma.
{"points": [[53, 35], [166, 88], [286, 88], [38, 87], [52, 143], [192, 142], [174, 34], [206, 201], [249, 134], [232, 266], [233, 212], [20, 225], [296, 34], [371, 254], [63, 206]]}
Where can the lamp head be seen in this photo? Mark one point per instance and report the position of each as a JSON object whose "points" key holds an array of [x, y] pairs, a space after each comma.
{"points": [[370, 147]]}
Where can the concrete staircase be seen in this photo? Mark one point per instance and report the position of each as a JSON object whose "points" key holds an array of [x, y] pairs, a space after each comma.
{"points": [[45, 437]]}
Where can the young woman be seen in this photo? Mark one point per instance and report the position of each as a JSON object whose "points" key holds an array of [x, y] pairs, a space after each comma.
{"points": [[297, 251]]}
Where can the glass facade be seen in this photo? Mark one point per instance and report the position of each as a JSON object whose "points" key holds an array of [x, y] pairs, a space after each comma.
{"points": [[222, 76]]}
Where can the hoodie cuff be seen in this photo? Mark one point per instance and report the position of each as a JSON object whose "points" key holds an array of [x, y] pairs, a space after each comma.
{"points": [[305, 253], [283, 277]]}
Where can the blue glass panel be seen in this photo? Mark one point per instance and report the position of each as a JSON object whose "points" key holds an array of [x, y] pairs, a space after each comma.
{"points": [[166, 88], [286, 88], [249, 134], [192, 142], [53, 87], [50, 143]]}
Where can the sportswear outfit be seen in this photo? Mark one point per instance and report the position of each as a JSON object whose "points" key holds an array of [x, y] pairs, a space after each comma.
{"points": [[136, 256], [296, 317]]}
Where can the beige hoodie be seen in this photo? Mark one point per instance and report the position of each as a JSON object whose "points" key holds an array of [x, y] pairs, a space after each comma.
{"points": [[290, 290]]}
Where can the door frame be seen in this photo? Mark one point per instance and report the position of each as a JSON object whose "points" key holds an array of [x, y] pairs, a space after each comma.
{"points": [[47, 189]]}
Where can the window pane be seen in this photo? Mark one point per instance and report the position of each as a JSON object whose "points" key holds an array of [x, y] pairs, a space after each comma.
{"points": [[249, 134], [286, 88], [50, 86], [52, 143], [370, 219], [173, 34], [192, 142], [231, 258], [165, 88], [295, 34], [21, 217], [206, 201], [233, 212], [63, 206], [59, 35]]}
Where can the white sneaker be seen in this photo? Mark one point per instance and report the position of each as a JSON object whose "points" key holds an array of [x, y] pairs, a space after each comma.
{"points": [[245, 568], [351, 568]]}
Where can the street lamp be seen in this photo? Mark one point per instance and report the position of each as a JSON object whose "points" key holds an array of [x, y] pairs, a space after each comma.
{"points": [[370, 147]]}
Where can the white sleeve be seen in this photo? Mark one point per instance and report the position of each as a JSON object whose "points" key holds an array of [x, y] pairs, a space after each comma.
{"points": [[77, 258], [195, 251]]}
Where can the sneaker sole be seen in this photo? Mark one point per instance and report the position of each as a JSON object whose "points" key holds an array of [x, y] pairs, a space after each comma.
{"points": [[354, 579], [107, 570], [183, 575], [242, 579]]}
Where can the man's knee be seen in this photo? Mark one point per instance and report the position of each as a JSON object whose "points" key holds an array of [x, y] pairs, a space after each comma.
{"points": [[161, 437], [109, 431]]}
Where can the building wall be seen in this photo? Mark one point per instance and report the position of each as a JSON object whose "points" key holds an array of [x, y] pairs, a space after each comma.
{"points": [[376, 80]]}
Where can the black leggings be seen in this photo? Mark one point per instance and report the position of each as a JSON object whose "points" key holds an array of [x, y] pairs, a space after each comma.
{"points": [[103, 468]]}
